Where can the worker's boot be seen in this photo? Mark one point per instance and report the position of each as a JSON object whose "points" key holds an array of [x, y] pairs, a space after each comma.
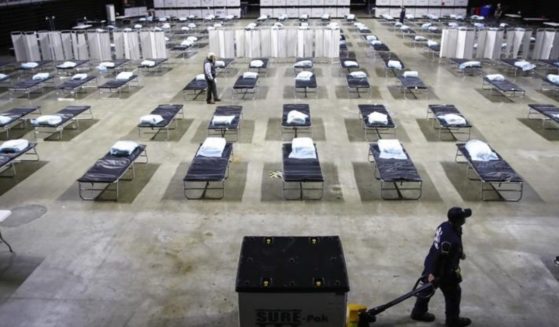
{"points": [[426, 316], [460, 322]]}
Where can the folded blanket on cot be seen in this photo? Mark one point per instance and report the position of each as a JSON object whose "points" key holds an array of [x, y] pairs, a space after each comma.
{"points": [[377, 118], [40, 76], [431, 43], [212, 147], [30, 64], [524, 65], [303, 64], [325, 16], [480, 151], [182, 19], [358, 74], [277, 25], [138, 26], [127, 29], [252, 75], [304, 26], [67, 64], [216, 25], [162, 19], [333, 26], [469, 64], [420, 38], [302, 148], [191, 25], [453, 119], [14, 146], [192, 38], [351, 63], [398, 24], [5, 119], [200, 77], [262, 17], [394, 64], [495, 77], [433, 28], [304, 16], [123, 148], [433, 17], [404, 27], [229, 17], [452, 24], [256, 63], [2, 76], [148, 63], [124, 76], [185, 28], [223, 120], [187, 43], [209, 17], [51, 120], [426, 25], [107, 64], [371, 38], [391, 149], [282, 17], [296, 117], [80, 76], [376, 42], [350, 16], [477, 17], [479, 25], [411, 73], [304, 76], [387, 17], [151, 119], [553, 78], [250, 26], [410, 16]]}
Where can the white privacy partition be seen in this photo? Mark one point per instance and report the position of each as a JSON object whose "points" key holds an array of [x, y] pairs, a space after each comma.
{"points": [[465, 44], [66, 44], [300, 43], [319, 43], [50, 46], [291, 43], [99, 45], [449, 43], [493, 42], [127, 45], [229, 44], [282, 43], [547, 45], [265, 43], [240, 43], [153, 45], [214, 44], [309, 40], [79, 46]]}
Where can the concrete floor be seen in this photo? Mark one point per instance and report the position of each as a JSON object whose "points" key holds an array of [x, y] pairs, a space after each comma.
{"points": [[157, 259]]}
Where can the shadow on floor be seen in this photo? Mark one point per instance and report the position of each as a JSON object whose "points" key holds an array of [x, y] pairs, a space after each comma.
{"points": [[369, 186], [355, 132], [69, 133], [549, 133], [246, 132], [24, 169], [14, 270], [272, 184], [176, 132], [274, 131], [431, 134]]}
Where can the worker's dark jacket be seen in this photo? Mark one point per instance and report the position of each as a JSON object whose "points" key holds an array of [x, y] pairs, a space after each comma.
{"points": [[443, 260]]}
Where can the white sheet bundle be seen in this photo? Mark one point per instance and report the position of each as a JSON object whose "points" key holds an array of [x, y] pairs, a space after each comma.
{"points": [[304, 26], [2, 76], [391, 149], [209, 17], [350, 16], [524, 65], [41, 76], [302, 148], [303, 64], [351, 63], [470, 64], [14, 145], [433, 28], [394, 64], [411, 73], [212, 147], [127, 29], [453, 119], [191, 25], [409, 16], [480, 151], [277, 25], [325, 16], [553, 78], [477, 17], [252, 75], [200, 77], [124, 76], [358, 74], [433, 17], [67, 64], [371, 38], [495, 77], [387, 17], [262, 17], [431, 43], [420, 38], [304, 16], [376, 42], [377, 118], [256, 63], [151, 119], [187, 43], [107, 64], [479, 25], [426, 25], [52, 120], [80, 76], [148, 63], [29, 65], [138, 26], [296, 117], [304, 76], [123, 147], [185, 28], [223, 120], [162, 19], [333, 26], [282, 17], [5, 119], [220, 63], [404, 27], [452, 24], [166, 26]]}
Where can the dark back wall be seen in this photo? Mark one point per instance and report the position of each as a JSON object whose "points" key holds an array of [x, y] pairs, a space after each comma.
{"points": [[31, 17]]}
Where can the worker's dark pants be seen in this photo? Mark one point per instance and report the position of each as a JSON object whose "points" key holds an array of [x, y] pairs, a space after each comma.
{"points": [[212, 89], [452, 294]]}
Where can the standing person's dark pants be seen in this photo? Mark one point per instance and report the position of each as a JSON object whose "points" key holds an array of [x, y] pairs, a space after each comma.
{"points": [[452, 295], [212, 90]]}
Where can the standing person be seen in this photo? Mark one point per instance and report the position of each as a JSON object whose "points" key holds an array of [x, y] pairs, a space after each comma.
{"points": [[442, 267], [209, 73], [498, 13], [402, 14]]}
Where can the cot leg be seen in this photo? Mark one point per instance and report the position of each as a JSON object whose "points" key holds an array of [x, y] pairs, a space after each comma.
{"points": [[8, 244]]}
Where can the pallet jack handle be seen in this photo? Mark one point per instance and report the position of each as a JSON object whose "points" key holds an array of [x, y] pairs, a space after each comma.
{"points": [[369, 316]]}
